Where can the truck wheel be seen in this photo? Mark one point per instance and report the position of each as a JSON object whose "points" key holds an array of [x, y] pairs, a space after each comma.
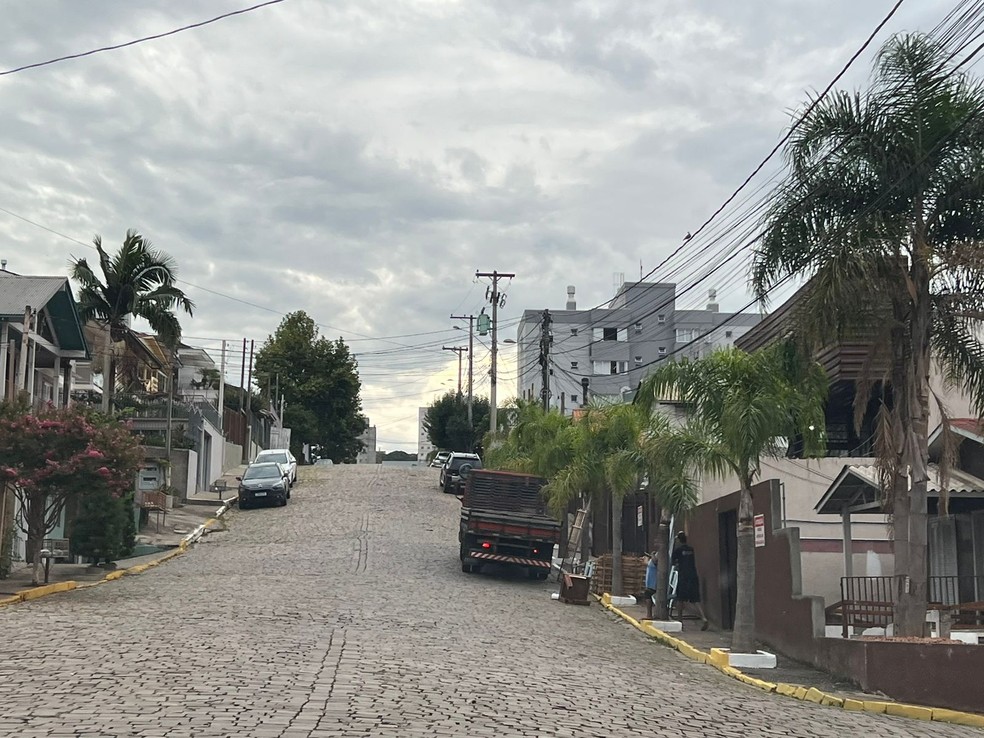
{"points": [[467, 568], [542, 574]]}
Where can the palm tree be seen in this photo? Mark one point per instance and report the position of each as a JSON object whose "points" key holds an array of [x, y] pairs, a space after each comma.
{"points": [[138, 282], [884, 210], [741, 406], [605, 464]]}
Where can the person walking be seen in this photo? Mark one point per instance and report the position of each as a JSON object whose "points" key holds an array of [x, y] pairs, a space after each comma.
{"points": [[650, 586], [688, 583]]}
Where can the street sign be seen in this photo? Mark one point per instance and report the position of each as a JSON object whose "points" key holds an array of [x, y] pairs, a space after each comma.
{"points": [[759, 531]]}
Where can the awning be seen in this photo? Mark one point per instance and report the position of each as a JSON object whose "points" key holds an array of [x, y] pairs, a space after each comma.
{"points": [[856, 489]]}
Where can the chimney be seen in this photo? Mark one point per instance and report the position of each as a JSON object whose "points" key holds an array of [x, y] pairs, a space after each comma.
{"points": [[3, 265], [571, 302], [712, 306]]}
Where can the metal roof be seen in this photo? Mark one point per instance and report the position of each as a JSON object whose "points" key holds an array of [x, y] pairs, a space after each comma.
{"points": [[17, 292], [857, 489]]}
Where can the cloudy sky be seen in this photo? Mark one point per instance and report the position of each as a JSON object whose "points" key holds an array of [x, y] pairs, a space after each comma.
{"points": [[361, 159]]}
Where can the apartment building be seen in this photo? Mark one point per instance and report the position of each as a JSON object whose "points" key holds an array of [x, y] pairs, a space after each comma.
{"points": [[606, 351]]}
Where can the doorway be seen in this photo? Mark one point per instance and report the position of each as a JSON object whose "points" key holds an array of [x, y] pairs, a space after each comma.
{"points": [[728, 548]]}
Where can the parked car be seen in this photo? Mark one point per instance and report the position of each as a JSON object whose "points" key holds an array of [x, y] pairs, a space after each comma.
{"points": [[451, 471], [263, 482], [440, 459], [283, 457]]}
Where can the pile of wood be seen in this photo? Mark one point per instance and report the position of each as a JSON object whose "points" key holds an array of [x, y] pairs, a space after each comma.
{"points": [[633, 574]]}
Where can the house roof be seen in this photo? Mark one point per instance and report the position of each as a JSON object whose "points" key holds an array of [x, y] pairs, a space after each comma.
{"points": [[54, 294], [857, 489]]}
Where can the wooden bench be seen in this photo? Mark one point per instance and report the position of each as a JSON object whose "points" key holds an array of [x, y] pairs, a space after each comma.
{"points": [[155, 502]]}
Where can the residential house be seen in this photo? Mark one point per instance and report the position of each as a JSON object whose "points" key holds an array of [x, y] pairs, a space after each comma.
{"points": [[368, 453], [41, 340], [802, 481]]}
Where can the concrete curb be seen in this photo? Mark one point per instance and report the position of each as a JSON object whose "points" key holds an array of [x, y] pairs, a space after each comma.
{"points": [[34, 593], [719, 660]]}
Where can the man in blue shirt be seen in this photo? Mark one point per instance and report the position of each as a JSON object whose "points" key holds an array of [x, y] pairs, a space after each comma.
{"points": [[650, 590]]}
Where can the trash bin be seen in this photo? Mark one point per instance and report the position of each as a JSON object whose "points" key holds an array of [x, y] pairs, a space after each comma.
{"points": [[574, 589]]}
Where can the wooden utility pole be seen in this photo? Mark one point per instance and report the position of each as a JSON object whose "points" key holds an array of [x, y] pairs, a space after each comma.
{"points": [[545, 360], [458, 350], [249, 402], [471, 354], [495, 298]]}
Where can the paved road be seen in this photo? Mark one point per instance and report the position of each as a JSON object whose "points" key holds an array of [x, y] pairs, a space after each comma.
{"points": [[346, 614]]}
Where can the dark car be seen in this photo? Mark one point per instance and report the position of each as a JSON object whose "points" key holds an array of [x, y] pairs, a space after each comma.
{"points": [[451, 471], [263, 483]]}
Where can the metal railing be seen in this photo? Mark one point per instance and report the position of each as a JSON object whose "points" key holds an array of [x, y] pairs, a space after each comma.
{"points": [[869, 602]]}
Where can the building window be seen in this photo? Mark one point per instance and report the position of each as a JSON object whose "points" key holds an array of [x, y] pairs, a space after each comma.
{"points": [[728, 334], [610, 334], [573, 331], [638, 361], [686, 335], [638, 326], [662, 350], [660, 318], [573, 365], [573, 398]]}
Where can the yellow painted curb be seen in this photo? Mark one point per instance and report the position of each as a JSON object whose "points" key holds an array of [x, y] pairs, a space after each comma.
{"points": [[874, 706], [12, 600], [138, 569], [118, 574], [45, 590], [718, 658], [910, 711], [958, 718], [814, 695]]}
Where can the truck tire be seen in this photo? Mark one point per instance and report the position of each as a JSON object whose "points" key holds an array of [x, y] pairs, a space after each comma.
{"points": [[467, 568]]}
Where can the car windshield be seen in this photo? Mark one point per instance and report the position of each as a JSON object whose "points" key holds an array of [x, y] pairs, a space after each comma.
{"points": [[457, 462], [279, 457], [262, 471]]}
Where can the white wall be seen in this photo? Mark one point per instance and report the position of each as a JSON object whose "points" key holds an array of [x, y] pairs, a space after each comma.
{"points": [[232, 456]]}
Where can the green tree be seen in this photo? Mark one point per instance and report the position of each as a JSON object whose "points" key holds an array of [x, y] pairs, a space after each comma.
{"points": [[740, 407], [138, 282], [320, 384], [884, 208], [446, 422]]}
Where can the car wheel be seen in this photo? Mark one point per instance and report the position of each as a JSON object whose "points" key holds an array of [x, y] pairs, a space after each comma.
{"points": [[467, 568], [243, 505]]}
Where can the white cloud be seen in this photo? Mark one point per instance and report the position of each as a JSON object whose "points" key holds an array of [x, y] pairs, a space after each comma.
{"points": [[361, 159]]}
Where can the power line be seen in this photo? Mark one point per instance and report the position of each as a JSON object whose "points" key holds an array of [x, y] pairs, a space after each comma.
{"points": [[141, 40]]}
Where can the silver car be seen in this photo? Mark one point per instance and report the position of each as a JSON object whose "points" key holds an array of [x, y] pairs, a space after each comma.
{"points": [[281, 456]]}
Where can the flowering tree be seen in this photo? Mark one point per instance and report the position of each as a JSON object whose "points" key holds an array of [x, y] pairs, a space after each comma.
{"points": [[57, 455]]}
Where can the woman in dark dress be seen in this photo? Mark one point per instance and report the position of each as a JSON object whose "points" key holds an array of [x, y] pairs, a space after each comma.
{"points": [[688, 583]]}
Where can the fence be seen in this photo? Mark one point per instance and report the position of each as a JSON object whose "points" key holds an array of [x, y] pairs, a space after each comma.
{"points": [[869, 602]]}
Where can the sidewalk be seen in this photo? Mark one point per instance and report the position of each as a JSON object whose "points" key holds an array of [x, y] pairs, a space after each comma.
{"points": [[152, 541], [207, 497], [787, 670]]}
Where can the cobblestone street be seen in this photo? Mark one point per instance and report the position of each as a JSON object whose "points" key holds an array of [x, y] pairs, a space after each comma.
{"points": [[346, 614]]}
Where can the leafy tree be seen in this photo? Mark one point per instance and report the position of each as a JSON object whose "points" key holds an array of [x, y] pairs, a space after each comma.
{"points": [[138, 282], [320, 383], [446, 422], [884, 209], [739, 406], [57, 456]]}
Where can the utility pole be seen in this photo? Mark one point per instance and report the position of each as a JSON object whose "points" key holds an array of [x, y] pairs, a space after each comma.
{"points": [[249, 403], [545, 360], [458, 350], [471, 353], [221, 402], [495, 298], [242, 400]]}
